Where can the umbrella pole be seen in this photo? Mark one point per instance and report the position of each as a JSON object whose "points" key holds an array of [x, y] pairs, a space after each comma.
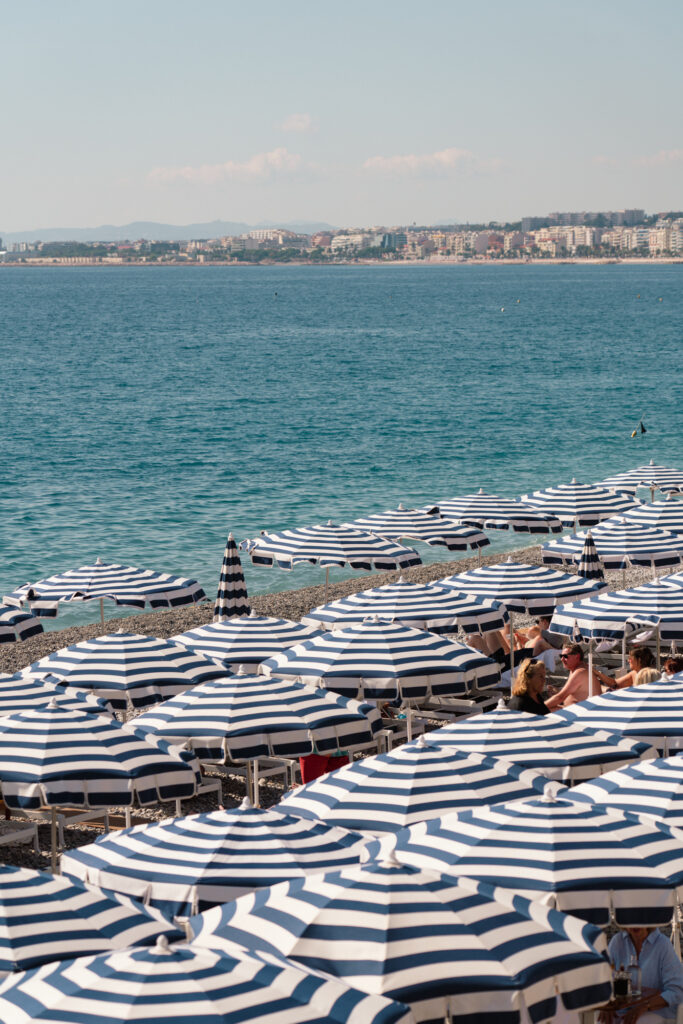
{"points": [[593, 688], [102, 610], [327, 582], [53, 842], [250, 778], [409, 722], [254, 783], [512, 651], [659, 650]]}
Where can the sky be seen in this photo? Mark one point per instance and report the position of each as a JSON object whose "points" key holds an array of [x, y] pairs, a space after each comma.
{"points": [[363, 113]]}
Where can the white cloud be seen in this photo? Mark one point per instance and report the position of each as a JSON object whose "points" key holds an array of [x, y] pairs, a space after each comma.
{"points": [[442, 162], [664, 158], [301, 123], [260, 167]]}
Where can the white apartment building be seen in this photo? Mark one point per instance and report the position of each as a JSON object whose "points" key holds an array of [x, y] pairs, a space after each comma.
{"points": [[357, 241], [660, 239]]}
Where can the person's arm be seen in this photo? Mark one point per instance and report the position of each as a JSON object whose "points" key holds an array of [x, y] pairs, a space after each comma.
{"points": [[670, 976], [627, 680], [560, 697], [604, 679]]}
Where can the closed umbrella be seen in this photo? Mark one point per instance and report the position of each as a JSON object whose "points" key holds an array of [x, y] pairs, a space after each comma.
{"points": [[656, 478], [425, 606], [597, 863], [549, 744], [329, 545], [450, 949], [411, 783], [183, 983], [415, 524], [490, 512], [577, 504], [122, 584], [186, 865], [232, 590], [17, 625], [379, 660], [127, 669], [47, 917], [589, 565], [247, 640]]}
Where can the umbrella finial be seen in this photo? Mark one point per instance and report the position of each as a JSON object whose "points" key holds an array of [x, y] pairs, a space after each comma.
{"points": [[401, 507], [390, 860], [501, 705], [230, 536], [162, 945], [53, 704], [246, 804], [98, 560], [573, 480], [241, 671], [421, 742], [549, 793]]}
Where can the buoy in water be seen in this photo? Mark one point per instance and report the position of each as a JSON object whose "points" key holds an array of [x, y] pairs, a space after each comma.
{"points": [[502, 309]]}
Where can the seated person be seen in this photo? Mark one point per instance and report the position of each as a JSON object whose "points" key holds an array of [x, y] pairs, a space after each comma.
{"points": [[661, 970], [577, 687], [672, 666], [647, 675], [528, 687], [496, 644], [639, 657]]}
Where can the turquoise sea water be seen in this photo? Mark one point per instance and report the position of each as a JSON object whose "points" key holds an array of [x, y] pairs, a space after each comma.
{"points": [[146, 411]]}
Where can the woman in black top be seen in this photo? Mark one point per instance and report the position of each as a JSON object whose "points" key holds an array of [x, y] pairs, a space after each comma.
{"points": [[529, 685]]}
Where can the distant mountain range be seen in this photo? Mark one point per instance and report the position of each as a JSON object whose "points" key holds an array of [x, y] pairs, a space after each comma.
{"points": [[159, 232]]}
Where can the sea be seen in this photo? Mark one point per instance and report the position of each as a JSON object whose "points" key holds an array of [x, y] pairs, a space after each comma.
{"points": [[147, 411]]}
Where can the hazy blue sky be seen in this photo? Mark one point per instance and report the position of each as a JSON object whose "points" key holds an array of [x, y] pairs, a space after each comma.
{"points": [[367, 111]]}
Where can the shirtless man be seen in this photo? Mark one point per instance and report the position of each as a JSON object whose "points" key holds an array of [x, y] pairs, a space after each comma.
{"points": [[577, 686]]}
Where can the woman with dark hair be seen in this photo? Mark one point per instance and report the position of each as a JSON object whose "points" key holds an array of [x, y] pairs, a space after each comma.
{"points": [[638, 658], [528, 687]]}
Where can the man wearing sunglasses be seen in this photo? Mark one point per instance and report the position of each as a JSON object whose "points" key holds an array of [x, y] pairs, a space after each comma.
{"points": [[577, 686]]}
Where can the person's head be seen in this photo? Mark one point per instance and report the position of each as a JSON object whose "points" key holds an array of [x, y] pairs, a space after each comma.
{"points": [[647, 675], [543, 621], [638, 935], [530, 679], [673, 664], [640, 657], [571, 656]]}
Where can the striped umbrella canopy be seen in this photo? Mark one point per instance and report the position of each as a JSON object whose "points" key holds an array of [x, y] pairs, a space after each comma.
{"points": [[58, 757], [424, 606], [17, 625], [47, 917], [589, 564], [415, 524], [619, 544], [19, 693], [489, 512], [127, 669], [660, 515], [450, 948], [185, 865], [577, 504], [547, 743], [247, 640], [183, 983], [248, 717], [651, 788], [657, 478], [652, 712], [576, 857], [413, 782], [329, 545], [231, 598], [522, 588], [122, 584], [658, 603], [380, 660]]}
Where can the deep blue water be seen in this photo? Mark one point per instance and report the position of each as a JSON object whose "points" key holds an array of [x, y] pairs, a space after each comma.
{"points": [[146, 411]]}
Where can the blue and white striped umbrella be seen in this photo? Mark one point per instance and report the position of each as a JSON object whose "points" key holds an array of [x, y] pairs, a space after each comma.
{"points": [[411, 783], [329, 545], [546, 743], [247, 640], [247, 717], [17, 625], [19, 693], [177, 984], [619, 544], [186, 865], [658, 603], [576, 857], [420, 605], [653, 713], [58, 757], [450, 949], [232, 590], [521, 587], [650, 788], [657, 478], [379, 660], [127, 669], [589, 565], [415, 524], [489, 512], [660, 515], [47, 917], [577, 504], [122, 584]]}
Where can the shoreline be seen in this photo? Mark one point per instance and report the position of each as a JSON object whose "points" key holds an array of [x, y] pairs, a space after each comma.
{"points": [[284, 604], [582, 261]]}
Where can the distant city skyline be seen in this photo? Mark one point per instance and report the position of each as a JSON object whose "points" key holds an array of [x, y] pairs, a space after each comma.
{"points": [[387, 113]]}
